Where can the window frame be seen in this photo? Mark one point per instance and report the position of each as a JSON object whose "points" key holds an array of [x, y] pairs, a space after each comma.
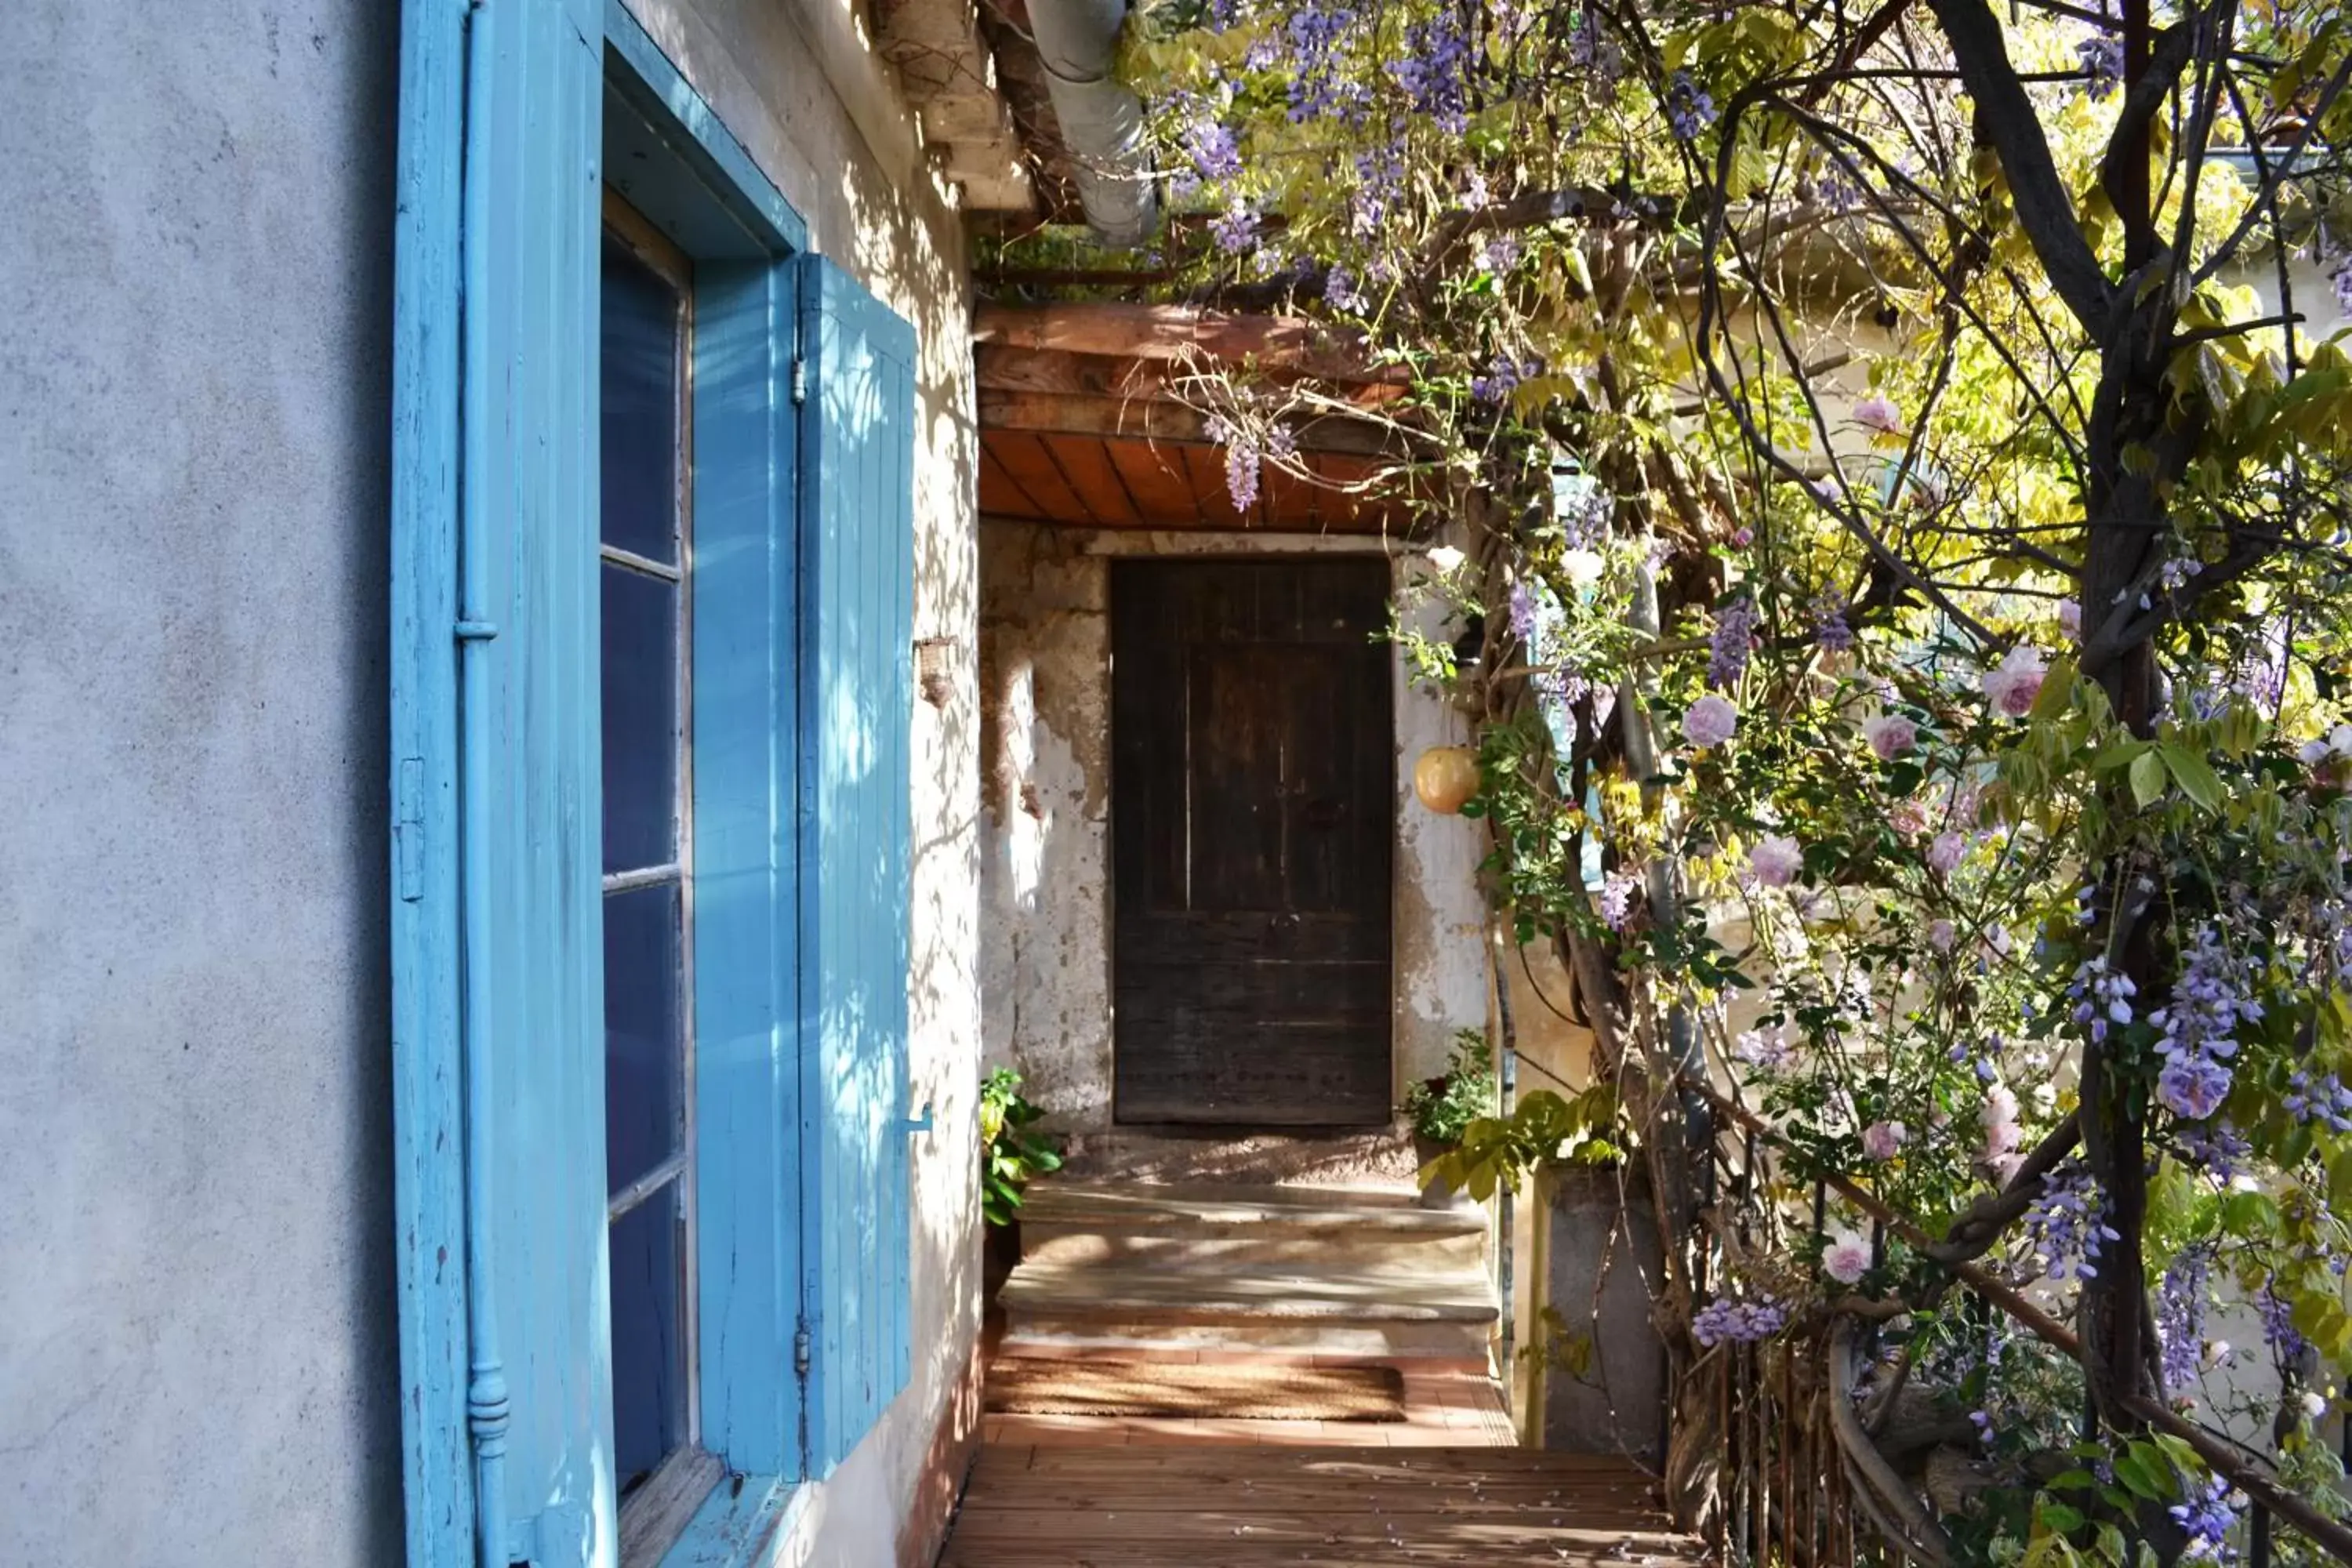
{"points": [[654, 1514]]}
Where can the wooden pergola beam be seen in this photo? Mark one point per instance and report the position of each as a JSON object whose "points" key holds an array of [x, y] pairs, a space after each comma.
{"points": [[1009, 369], [1164, 420], [1176, 333]]}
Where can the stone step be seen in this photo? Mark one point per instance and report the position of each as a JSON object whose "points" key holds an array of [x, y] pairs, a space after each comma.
{"points": [[1228, 1227], [1357, 1313]]}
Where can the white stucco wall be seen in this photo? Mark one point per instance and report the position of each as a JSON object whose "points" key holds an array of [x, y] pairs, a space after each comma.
{"points": [[1045, 820], [794, 81], [197, 1362]]}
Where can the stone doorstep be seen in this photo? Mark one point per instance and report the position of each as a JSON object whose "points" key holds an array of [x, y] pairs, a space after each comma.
{"points": [[1219, 1248], [1199, 1295], [1207, 1350], [1197, 1208]]}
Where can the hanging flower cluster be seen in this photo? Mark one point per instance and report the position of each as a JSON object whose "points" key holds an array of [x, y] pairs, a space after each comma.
{"points": [[1725, 1321]]}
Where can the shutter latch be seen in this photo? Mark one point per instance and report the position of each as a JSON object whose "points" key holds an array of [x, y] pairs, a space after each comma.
{"points": [[914, 1124], [800, 1350], [800, 380]]}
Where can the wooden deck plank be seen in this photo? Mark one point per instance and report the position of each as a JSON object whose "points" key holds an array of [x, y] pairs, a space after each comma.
{"points": [[1145, 1506]]}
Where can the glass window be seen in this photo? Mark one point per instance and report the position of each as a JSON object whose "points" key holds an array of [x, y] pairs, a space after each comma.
{"points": [[645, 349]]}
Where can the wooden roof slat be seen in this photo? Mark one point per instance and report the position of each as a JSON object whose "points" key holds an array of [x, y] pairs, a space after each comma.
{"points": [[1087, 468], [1177, 333], [1159, 480]]}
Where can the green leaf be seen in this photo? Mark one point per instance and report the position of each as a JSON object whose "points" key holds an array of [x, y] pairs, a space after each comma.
{"points": [[2194, 775], [2135, 1471], [2146, 780], [2057, 1516]]}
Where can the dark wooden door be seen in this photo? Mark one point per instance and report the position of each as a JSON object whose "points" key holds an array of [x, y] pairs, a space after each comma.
{"points": [[1252, 781]]}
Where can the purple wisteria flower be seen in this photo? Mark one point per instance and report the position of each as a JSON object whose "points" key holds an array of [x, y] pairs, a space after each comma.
{"points": [[2219, 1149], [1379, 180], [1502, 374], [2180, 1315], [1242, 459], [2339, 277], [1236, 231], [2206, 1516], [2068, 1224], [1339, 291], [2102, 55], [1732, 642], [1725, 1321], [1830, 628], [1615, 901], [1318, 90], [2279, 1332], [1215, 155], [1689, 110], [1501, 254], [2326, 1099], [2102, 997], [2200, 1023], [1434, 71]]}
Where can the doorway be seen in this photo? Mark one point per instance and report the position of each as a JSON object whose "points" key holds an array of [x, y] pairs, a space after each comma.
{"points": [[1252, 823]]}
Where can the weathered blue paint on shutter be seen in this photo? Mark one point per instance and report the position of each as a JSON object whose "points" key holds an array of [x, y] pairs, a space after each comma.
{"points": [[428, 1118], [530, 785], [746, 849], [856, 458]]}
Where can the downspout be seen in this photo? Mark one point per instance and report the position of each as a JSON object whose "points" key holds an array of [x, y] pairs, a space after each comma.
{"points": [[1101, 120]]}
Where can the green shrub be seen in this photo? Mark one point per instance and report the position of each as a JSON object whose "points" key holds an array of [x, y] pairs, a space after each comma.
{"points": [[1442, 1108], [1010, 1154]]}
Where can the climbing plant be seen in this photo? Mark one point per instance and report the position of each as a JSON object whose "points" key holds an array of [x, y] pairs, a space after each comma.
{"points": [[1896, 460]]}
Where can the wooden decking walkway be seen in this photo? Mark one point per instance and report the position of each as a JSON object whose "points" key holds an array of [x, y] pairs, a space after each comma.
{"points": [[1145, 1505]]}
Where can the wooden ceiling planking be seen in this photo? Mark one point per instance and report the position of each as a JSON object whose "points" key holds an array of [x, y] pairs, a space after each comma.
{"points": [[1000, 493], [1159, 481], [1087, 466], [1033, 468]]}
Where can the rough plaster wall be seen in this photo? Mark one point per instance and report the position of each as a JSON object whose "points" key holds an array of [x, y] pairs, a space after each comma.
{"points": [[198, 1363], [1045, 820], [879, 213]]}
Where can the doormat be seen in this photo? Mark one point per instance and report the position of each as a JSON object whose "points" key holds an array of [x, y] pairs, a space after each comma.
{"points": [[1042, 1386]]}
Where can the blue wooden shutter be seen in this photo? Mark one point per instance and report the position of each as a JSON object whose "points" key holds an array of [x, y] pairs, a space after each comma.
{"points": [[856, 702], [531, 788]]}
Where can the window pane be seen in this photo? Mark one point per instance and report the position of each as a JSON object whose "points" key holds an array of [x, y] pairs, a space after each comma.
{"points": [[640, 719], [648, 1348], [643, 1039], [640, 384]]}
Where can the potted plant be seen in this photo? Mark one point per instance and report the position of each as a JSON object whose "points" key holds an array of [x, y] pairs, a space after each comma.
{"points": [[1442, 1108], [1011, 1156]]}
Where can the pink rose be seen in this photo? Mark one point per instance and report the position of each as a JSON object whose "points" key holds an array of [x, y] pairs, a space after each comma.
{"points": [[2070, 618], [1846, 1258], [2000, 1130], [1877, 413], [1890, 735], [1908, 818], [1880, 1140], [2014, 684], [1711, 720], [1947, 852], [1775, 861]]}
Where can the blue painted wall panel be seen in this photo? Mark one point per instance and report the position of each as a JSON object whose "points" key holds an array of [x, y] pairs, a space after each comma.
{"points": [[857, 529]]}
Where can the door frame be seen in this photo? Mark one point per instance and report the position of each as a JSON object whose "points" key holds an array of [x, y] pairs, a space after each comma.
{"points": [[1391, 816]]}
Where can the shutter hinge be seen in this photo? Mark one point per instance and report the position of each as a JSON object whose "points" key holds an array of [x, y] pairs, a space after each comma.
{"points": [[800, 380], [800, 1350]]}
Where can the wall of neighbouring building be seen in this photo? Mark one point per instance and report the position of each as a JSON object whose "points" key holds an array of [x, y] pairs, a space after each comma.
{"points": [[796, 84], [198, 1363], [194, 380], [1045, 820]]}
